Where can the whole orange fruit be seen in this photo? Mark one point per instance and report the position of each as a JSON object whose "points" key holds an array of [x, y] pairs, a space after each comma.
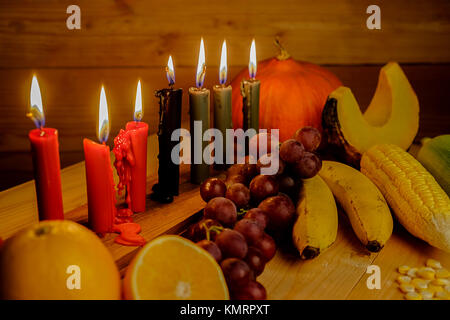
{"points": [[57, 260]]}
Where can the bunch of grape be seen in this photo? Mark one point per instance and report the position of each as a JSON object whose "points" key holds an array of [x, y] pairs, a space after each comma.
{"points": [[245, 212]]}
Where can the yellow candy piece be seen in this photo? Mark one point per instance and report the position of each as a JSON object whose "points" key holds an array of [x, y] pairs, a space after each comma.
{"points": [[433, 264], [426, 273], [403, 269], [403, 279], [419, 283], [442, 273], [442, 295], [412, 272], [427, 295], [413, 296], [440, 282], [406, 287], [435, 289]]}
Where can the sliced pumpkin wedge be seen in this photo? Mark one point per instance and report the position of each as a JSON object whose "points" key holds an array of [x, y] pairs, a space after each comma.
{"points": [[392, 116]]}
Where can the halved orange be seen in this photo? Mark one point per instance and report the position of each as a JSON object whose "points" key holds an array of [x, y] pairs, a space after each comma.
{"points": [[173, 268]]}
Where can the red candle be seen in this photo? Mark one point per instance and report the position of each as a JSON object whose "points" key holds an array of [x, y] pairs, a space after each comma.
{"points": [[99, 176], [45, 153], [130, 149]]}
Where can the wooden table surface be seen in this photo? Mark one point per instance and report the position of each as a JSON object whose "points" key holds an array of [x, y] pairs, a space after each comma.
{"points": [[338, 273]]}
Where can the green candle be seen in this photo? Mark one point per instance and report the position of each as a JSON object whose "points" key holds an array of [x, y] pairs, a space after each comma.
{"points": [[250, 94], [199, 121], [222, 102]]}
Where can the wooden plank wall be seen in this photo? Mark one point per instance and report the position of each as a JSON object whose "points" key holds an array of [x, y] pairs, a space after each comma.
{"points": [[123, 40]]}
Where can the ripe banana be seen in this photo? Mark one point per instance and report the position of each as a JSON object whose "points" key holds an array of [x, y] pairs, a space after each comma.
{"points": [[364, 204], [317, 222]]}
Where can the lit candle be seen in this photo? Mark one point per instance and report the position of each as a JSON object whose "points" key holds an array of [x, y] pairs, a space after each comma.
{"points": [[170, 100], [250, 94], [222, 102], [99, 175], [45, 153], [199, 121], [130, 150]]}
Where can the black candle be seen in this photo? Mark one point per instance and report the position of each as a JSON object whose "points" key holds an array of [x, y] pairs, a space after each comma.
{"points": [[170, 100]]}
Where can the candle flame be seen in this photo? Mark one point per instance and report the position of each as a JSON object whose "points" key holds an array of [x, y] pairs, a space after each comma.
{"points": [[223, 64], [103, 118], [138, 112], [201, 67], [170, 71], [36, 111], [252, 62]]}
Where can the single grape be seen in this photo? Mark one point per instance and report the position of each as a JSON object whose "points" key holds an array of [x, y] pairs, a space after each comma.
{"points": [[263, 143], [267, 246], [212, 248], [232, 244], [266, 161], [308, 166], [212, 188], [222, 210], [198, 231], [280, 210], [235, 179], [239, 194], [250, 229], [252, 290], [258, 216], [289, 185], [263, 186], [291, 151], [310, 137], [236, 272], [236, 169], [255, 260]]}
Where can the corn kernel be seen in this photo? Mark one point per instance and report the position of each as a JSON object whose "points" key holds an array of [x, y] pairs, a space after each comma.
{"points": [[403, 279], [403, 269], [435, 289], [433, 264], [413, 296], [412, 272], [426, 273], [427, 295], [440, 282], [406, 287], [419, 283], [442, 273], [442, 295]]}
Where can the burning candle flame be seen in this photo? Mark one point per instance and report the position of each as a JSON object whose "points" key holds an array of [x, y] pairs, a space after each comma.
{"points": [[138, 112], [201, 67], [223, 64], [103, 118], [252, 62], [170, 71], [36, 111]]}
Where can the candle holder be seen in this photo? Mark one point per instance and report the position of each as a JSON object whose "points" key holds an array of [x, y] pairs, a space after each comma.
{"points": [[170, 101]]}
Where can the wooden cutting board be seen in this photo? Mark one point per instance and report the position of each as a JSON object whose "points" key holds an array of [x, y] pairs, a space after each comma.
{"points": [[338, 273]]}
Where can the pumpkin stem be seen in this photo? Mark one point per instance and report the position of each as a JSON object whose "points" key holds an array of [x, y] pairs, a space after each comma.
{"points": [[283, 55]]}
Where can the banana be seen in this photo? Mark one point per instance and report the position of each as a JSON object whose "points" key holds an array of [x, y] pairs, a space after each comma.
{"points": [[364, 204], [317, 222]]}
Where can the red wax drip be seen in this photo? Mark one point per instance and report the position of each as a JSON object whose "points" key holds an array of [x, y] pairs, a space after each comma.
{"points": [[124, 161], [128, 234]]}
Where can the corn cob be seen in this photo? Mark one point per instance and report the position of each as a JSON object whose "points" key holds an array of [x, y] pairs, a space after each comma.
{"points": [[418, 201]]}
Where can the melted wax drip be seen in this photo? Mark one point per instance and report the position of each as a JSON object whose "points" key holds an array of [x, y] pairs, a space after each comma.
{"points": [[123, 223]]}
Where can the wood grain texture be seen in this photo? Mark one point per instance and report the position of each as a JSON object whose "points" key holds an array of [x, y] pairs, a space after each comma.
{"points": [[338, 273], [133, 33]]}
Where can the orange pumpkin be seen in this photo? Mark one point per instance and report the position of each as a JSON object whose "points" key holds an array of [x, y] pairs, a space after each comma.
{"points": [[292, 94]]}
